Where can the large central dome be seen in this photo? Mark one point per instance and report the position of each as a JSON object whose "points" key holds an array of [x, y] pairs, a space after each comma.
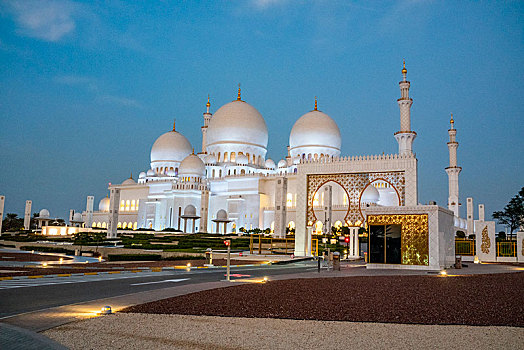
{"points": [[239, 123], [315, 135]]}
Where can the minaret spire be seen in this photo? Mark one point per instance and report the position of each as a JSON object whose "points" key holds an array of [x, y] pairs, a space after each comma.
{"points": [[405, 136], [207, 118], [316, 106], [453, 170]]}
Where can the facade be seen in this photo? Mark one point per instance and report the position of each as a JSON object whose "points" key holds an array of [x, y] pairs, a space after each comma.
{"points": [[312, 185]]}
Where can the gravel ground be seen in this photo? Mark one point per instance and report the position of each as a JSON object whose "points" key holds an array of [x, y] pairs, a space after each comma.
{"points": [[30, 257], [148, 331], [489, 300]]}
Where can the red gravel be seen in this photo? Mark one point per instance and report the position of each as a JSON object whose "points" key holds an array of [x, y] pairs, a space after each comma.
{"points": [[29, 257], [481, 300]]}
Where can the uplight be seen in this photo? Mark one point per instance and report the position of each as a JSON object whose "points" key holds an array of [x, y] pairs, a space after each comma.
{"points": [[266, 279], [61, 260], [100, 258], [188, 265], [44, 264], [106, 310], [443, 273]]}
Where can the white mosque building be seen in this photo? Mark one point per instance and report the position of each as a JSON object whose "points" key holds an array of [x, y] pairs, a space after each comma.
{"points": [[230, 184]]}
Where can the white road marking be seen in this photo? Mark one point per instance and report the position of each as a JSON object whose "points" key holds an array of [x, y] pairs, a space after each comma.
{"points": [[175, 280]]}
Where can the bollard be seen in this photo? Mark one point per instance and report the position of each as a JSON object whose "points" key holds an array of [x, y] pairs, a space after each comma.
{"points": [[336, 261], [209, 256], [318, 260]]}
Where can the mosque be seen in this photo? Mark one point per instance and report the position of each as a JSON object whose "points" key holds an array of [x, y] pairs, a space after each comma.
{"points": [[230, 184]]}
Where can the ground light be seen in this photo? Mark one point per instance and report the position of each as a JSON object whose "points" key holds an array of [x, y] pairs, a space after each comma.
{"points": [[106, 310], [266, 279], [443, 273], [44, 264], [100, 258]]}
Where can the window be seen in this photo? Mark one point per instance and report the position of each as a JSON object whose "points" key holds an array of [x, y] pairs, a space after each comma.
{"points": [[124, 226], [104, 225], [119, 225], [289, 201], [232, 157], [137, 201], [128, 205], [135, 225], [122, 204], [133, 205]]}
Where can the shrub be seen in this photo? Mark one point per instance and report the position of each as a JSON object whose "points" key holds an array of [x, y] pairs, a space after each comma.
{"points": [[48, 249]]}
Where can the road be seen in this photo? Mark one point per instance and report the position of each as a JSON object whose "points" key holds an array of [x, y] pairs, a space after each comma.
{"points": [[22, 296]]}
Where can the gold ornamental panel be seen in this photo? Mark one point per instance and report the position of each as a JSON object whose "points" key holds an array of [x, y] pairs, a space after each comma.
{"points": [[353, 184], [414, 235]]}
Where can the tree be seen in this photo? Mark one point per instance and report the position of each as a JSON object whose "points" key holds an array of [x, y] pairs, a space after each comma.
{"points": [[512, 216], [12, 222]]}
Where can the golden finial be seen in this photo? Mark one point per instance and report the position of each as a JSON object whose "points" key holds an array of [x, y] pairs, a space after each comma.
{"points": [[174, 122], [208, 104], [238, 97], [452, 121], [193, 153], [131, 177], [315, 103], [404, 70]]}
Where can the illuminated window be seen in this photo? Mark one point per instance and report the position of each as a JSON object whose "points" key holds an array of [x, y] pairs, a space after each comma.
{"points": [[218, 157], [225, 157], [130, 225], [289, 201], [104, 225], [291, 225], [272, 226], [127, 205], [124, 226], [122, 204], [137, 201], [119, 225], [345, 199], [338, 224], [132, 205], [135, 226], [318, 227], [233, 157]]}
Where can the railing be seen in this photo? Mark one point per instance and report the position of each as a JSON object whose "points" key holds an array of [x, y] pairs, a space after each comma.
{"points": [[465, 247], [259, 244], [507, 249]]}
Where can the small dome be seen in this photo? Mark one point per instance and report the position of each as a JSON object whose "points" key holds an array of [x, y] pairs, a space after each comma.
{"points": [[44, 213], [270, 164], [316, 133], [77, 217], [210, 159], [370, 195], [237, 122], [221, 215], [171, 173], [150, 172], [129, 181], [242, 159], [190, 210], [192, 166], [142, 175], [170, 147], [103, 205], [282, 163]]}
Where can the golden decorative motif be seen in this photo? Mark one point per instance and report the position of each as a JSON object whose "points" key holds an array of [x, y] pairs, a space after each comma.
{"points": [[208, 104], [315, 103], [404, 70], [353, 184], [414, 235], [486, 242], [238, 97]]}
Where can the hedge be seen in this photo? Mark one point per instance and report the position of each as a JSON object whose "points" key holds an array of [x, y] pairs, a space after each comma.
{"points": [[48, 249]]}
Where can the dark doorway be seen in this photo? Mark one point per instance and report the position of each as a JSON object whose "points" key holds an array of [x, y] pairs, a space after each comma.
{"points": [[385, 244]]}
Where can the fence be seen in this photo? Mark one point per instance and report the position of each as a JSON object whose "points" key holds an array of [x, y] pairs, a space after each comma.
{"points": [[507, 249], [465, 247], [265, 245]]}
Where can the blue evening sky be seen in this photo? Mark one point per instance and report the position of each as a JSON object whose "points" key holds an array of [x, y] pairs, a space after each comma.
{"points": [[86, 87]]}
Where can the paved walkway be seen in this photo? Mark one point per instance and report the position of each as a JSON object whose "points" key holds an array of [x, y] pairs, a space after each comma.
{"points": [[16, 338]]}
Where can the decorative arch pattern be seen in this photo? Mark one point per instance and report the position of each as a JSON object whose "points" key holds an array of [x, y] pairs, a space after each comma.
{"points": [[353, 184]]}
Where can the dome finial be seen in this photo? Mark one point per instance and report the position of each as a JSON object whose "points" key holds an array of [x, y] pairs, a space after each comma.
{"points": [[193, 152], [238, 97], [404, 70], [208, 104], [316, 104], [131, 176], [174, 122], [452, 121]]}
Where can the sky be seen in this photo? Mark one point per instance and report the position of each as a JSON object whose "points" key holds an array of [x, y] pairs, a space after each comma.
{"points": [[87, 87]]}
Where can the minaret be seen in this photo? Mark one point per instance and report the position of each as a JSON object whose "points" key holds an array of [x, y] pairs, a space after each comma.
{"points": [[405, 136], [207, 118], [453, 170]]}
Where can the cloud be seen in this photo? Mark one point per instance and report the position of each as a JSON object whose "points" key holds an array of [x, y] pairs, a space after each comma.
{"points": [[48, 20], [119, 100]]}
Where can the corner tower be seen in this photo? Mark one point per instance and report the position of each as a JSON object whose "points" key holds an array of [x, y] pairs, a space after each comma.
{"points": [[453, 170], [405, 136]]}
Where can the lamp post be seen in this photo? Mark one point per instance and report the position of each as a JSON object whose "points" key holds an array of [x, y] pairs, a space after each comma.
{"points": [[227, 242]]}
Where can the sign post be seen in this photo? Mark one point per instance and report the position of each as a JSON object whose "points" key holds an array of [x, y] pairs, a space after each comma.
{"points": [[227, 242]]}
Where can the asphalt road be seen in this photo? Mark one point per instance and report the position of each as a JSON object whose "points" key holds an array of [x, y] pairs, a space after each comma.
{"points": [[15, 301]]}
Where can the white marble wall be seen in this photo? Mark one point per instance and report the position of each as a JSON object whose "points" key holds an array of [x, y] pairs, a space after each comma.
{"points": [[520, 247]]}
